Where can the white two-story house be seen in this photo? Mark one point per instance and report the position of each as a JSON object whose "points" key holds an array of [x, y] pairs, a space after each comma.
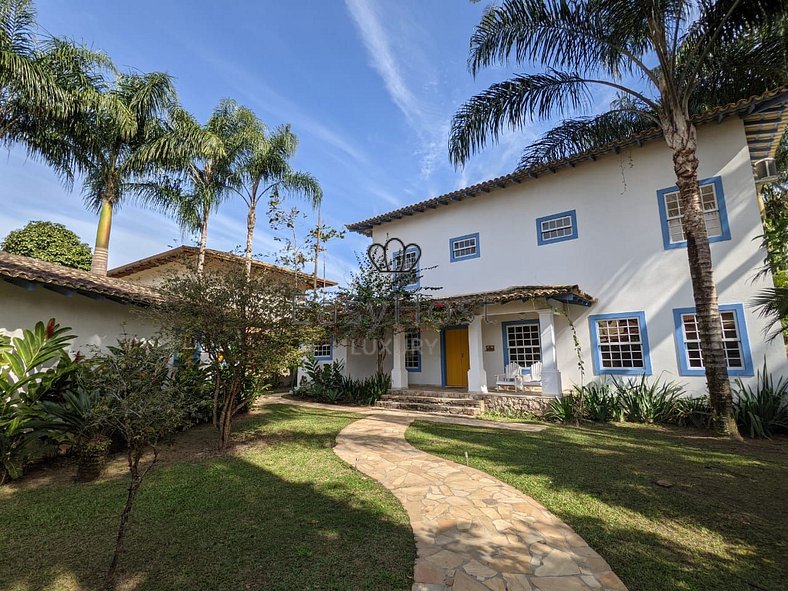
{"points": [[593, 247]]}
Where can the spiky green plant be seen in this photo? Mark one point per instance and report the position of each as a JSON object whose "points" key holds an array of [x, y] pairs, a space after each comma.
{"points": [[762, 410]]}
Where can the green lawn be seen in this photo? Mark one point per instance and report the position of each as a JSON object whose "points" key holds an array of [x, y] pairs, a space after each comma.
{"points": [[722, 526], [281, 511]]}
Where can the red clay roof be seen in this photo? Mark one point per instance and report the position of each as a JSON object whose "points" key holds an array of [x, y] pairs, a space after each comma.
{"points": [[18, 269], [191, 252]]}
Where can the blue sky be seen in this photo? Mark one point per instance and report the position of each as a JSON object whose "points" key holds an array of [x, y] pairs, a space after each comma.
{"points": [[368, 85]]}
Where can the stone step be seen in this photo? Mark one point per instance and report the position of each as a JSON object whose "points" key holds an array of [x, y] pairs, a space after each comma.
{"points": [[445, 409], [418, 398], [436, 393]]}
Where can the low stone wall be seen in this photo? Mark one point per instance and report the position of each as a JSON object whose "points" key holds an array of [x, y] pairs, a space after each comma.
{"points": [[516, 403]]}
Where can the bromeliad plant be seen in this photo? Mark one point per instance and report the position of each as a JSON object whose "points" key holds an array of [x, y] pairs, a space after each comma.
{"points": [[31, 366], [762, 411]]}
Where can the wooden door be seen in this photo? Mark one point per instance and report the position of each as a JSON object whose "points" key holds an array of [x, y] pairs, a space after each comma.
{"points": [[457, 358]]}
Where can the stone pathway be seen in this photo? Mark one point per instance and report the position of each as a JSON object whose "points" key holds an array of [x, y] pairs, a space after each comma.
{"points": [[473, 532]]}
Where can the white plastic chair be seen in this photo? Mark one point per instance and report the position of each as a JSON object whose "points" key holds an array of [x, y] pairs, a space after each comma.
{"points": [[534, 379]]}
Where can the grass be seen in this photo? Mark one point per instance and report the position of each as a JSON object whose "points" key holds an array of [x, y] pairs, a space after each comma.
{"points": [[721, 526], [280, 512]]}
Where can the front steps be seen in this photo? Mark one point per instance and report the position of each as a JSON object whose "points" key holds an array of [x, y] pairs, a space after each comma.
{"points": [[446, 402]]}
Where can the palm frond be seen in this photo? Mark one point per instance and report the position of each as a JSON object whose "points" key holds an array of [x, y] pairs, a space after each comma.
{"points": [[511, 105], [772, 304], [573, 136]]}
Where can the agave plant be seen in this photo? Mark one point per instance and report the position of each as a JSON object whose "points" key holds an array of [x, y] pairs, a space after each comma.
{"points": [[761, 411], [645, 401]]}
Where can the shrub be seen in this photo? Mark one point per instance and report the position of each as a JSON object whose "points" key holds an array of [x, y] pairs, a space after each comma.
{"points": [[327, 383], [761, 411], [693, 412], [27, 375], [598, 402], [563, 409], [646, 401]]}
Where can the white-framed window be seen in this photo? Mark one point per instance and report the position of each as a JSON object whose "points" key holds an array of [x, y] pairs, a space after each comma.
{"points": [[620, 343], [323, 350], [714, 214], [407, 269], [464, 247], [556, 227], [413, 350], [734, 337], [522, 343]]}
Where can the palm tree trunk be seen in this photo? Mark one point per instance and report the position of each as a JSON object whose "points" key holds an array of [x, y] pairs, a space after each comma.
{"points": [[681, 136], [251, 220], [101, 250], [203, 243]]}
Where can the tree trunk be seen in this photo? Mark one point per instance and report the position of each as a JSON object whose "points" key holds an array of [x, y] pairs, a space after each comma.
{"points": [[203, 243], [133, 458], [681, 137], [317, 249], [101, 250], [251, 220]]}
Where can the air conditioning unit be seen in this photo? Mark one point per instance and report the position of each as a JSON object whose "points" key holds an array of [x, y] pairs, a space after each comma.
{"points": [[765, 171]]}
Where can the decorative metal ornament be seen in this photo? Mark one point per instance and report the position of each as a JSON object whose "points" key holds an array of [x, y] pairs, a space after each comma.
{"points": [[384, 257]]}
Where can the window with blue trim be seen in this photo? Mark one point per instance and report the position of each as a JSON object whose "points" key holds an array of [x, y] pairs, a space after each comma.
{"points": [[556, 228], [464, 247], [406, 268], [734, 338], [714, 213], [413, 350], [324, 351], [619, 344]]}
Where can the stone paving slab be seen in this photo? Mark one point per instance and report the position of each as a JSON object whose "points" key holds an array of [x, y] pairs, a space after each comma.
{"points": [[472, 531]]}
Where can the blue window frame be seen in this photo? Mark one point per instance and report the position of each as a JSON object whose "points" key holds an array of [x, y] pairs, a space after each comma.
{"points": [[735, 339], [556, 227], [324, 351], [465, 247], [714, 211], [619, 344], [413, 350], [408, 279]]}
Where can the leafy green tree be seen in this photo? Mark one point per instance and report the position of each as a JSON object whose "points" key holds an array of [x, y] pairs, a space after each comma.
{"points": [[50, 242], [668, 60], [140, 406], [244, 327], [265, 170]]}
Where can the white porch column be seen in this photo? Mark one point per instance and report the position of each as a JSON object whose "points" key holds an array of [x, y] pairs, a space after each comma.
{"points": [[399, 375], [477, 377], [551, 377]]}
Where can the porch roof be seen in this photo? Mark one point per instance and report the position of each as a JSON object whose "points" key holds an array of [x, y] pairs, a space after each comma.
{"points": [[570, 294]]}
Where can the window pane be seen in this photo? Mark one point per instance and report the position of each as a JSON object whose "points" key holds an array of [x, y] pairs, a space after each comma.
{"points": [[730, 335], [619, 343], [523, 344]]}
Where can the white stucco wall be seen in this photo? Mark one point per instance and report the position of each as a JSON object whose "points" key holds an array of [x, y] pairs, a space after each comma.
{"points": [[618, 257], [96, 323]]}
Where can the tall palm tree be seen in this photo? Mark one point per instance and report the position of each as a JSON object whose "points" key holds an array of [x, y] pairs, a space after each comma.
{"points": [[266, 170], [44, 82], [120, 162], [210, 168], [667, 59]]}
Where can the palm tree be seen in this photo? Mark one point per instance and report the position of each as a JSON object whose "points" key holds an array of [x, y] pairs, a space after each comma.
{"points": [[43, 84], [667, 59], [210, 167], [266, 170]]}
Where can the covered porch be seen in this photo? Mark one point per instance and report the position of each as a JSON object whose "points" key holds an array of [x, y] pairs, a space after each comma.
{"points": [[514, 328]]}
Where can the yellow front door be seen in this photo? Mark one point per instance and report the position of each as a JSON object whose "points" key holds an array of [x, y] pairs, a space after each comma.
{"points": [[457, 358]]}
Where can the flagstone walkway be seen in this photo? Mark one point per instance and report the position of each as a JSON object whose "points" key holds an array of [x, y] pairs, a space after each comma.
{"points": [[473, 532]]}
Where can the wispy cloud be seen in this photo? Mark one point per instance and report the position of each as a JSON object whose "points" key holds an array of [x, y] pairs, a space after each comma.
{"points": [[425, 118]]}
